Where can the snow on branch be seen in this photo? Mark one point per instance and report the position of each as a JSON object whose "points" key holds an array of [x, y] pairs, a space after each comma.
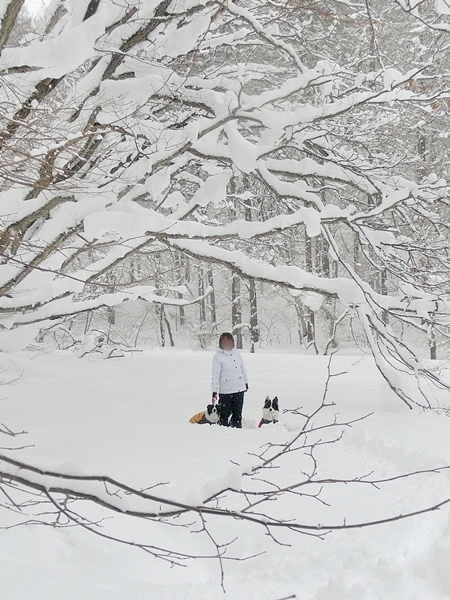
{"points": [[127, 131]]}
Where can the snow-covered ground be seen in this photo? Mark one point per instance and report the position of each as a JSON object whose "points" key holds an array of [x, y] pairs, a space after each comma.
{"points": [[128, 418]]}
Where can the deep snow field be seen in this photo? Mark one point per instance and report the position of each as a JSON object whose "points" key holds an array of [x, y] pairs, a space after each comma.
{"points": [[128, 418]]}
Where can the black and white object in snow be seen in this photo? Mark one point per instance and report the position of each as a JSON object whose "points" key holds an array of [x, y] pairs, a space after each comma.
{"points": [[271, 411]]}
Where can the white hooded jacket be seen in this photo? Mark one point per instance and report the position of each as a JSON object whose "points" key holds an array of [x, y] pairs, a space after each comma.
{"points": [[228, 372]]}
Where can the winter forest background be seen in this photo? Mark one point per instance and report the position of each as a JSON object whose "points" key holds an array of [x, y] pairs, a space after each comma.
{"points": [[174, 169], [277, 169]]}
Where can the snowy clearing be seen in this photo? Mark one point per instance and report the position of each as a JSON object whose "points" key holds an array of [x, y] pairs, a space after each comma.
{"points": [[128, 418]]}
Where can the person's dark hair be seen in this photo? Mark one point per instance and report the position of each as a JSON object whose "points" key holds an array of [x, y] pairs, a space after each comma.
{"points": [[225, 336]]}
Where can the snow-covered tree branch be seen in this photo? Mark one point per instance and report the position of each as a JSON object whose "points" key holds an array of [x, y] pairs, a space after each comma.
{"points": [[125, 129]]}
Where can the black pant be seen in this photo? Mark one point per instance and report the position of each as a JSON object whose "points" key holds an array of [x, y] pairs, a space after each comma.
{"points": [[231, 406]]}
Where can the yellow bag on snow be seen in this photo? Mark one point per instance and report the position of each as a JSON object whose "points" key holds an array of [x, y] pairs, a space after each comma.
{"points": [[197, 417]]}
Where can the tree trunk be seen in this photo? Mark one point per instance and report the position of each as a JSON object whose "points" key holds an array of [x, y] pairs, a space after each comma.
{"points": [[432, 341], [87, 324], [201, 291], [236, 312], [254, 329], [169, 330], [161, 325], [309, 265], [325, 258], [383, 285], [301, 320], [181, 279], [111, 309], [212, 295]]}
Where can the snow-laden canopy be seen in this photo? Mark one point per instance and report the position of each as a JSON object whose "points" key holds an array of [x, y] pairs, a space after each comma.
{"points": [[126, 126]]}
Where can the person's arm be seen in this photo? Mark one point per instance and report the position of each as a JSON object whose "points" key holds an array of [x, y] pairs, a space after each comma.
{"points": [[215, 375], [244, 373]]}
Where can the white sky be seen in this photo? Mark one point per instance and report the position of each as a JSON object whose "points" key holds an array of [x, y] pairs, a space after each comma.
{"points": [[35, 6]]}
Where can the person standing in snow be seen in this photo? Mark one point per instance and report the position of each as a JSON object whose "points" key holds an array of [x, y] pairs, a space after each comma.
{"points": [[229, 380]]}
